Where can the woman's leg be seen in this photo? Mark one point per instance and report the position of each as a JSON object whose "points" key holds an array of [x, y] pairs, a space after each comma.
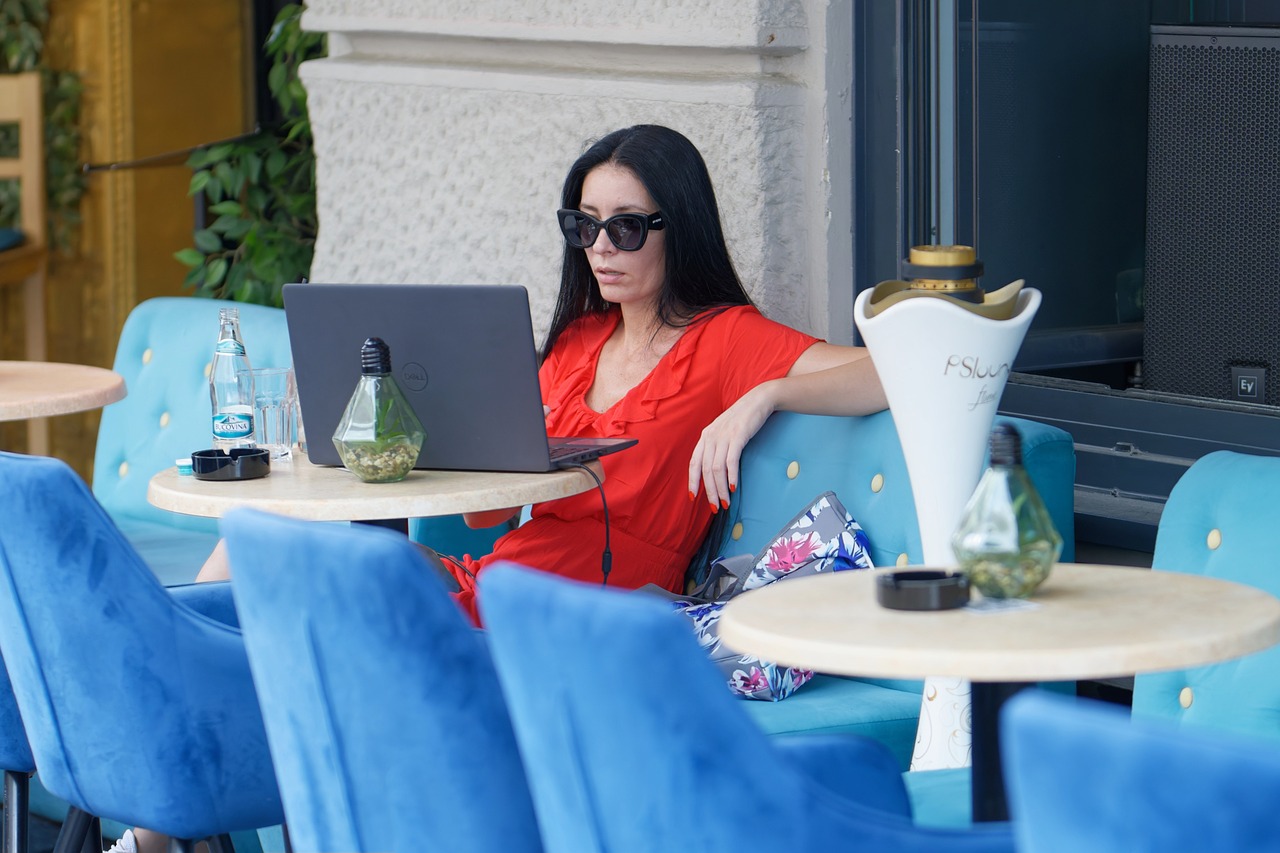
{"points": [[216, 567], [146, 841]]}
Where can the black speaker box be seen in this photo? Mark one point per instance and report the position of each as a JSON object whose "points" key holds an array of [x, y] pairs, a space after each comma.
{"points": [[1212, 282]]}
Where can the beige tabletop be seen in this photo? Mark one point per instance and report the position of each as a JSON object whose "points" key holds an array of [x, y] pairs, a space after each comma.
{"points": [[1084, 622], [303, 490], [37, 389]]}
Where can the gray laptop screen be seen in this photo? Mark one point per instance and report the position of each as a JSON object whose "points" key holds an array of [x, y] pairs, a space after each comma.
{"points": [[463, 354]]}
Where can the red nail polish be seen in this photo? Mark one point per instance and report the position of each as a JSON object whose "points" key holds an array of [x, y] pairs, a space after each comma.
{"points": [[733, 487], [724, 502], [691, 496], [714, 509]]}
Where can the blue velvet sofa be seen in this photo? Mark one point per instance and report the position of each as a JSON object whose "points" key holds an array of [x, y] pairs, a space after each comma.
{"points": [[163, 355], [793, 459]]}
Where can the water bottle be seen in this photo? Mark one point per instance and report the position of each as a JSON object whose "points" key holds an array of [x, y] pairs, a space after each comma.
{"points": [[231, 386]]}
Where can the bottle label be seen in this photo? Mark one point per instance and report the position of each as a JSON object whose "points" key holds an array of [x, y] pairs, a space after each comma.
{"points": [[230, 346], [233, 425]]}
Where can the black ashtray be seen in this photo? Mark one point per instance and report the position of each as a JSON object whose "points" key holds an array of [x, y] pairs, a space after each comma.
{"points": [[922, 590], [241, 463]]}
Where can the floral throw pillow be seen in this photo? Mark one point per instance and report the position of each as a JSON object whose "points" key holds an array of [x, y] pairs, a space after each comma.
{"points": [[823, 538]]}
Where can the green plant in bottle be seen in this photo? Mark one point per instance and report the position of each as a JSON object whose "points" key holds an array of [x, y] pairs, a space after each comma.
{"points": [[380, 436], [1006, 542]]}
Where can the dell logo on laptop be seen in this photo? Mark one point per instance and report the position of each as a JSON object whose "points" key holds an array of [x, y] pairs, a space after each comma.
{"points": [[414, 376]]}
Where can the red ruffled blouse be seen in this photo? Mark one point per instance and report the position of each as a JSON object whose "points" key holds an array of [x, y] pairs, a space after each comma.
{"points": [[654, 528]]}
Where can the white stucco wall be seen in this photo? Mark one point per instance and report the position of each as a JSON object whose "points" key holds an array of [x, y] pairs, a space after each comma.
{"points": [[444, 128]]}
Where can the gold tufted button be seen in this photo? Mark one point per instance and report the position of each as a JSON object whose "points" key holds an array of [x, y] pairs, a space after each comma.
{"points": [[123, 470], [1214, 539], [904, 560], [208, 368], [1186, 696], [164, 420], [793, 470], [737, 531], [146, 355], [877, 483]]}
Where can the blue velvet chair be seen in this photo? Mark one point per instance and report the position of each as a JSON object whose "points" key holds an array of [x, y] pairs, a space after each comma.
{"points": [[1222, 520], [1083, 776], [138, 707], [632, 742], [383, 711]]}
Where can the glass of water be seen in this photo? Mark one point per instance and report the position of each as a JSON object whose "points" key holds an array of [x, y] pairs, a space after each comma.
{"points": [[275, 403]]}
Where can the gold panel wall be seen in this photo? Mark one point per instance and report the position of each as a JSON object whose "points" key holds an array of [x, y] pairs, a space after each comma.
{"points": [[159, 76]]}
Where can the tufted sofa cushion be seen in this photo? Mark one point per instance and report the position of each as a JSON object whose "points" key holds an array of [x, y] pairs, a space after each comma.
{"points": [[164, 354], [796, 457]]}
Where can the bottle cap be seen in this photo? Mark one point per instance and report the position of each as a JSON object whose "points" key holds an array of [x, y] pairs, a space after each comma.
{"points": [[1006, 445], [952, 270], [375, 357]]}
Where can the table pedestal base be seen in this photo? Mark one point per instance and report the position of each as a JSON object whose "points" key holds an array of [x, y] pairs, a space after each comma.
{"points": [[988, 777], [399, 525]]}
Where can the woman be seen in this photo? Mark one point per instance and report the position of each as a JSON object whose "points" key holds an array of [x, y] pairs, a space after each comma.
{"points": [[655, 338]]}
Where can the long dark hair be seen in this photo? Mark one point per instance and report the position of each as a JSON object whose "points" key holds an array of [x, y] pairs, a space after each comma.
{"points": [[699, 272]]}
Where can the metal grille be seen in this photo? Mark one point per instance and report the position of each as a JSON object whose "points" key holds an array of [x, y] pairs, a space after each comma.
{"points": [[1212, 293]]}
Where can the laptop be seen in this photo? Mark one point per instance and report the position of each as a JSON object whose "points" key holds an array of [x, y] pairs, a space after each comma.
{"points": [[463, 355]]}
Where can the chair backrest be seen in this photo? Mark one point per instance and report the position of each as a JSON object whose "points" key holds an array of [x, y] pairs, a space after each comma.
{"points": [[383, 711], [795, 457], [1084, 775], [631, 741], [137, 708], [1222, 520], [164, 353], [21, 104]]}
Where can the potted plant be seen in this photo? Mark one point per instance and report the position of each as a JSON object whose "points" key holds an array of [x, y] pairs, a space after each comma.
{"points": [[260, 190]]}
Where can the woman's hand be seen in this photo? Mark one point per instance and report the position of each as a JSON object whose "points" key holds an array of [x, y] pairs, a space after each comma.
{"points": [[715, 458]]}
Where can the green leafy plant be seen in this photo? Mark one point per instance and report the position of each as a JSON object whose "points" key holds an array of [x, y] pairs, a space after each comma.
{"points": [[22, 24], [260, 190]]}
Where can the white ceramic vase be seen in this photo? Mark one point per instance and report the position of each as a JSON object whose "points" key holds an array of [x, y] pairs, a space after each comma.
{"points": [[943, 368]]}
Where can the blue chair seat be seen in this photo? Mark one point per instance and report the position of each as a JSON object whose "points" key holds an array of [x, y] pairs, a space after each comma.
{"points": [[831, 704]]}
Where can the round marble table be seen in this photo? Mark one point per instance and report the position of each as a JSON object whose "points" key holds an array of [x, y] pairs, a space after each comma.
{"points": [[318, 493], [37, 389], [1085, 622]]}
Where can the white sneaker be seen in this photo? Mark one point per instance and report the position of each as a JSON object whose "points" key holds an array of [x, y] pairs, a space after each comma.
{"points": [[126, 844]]}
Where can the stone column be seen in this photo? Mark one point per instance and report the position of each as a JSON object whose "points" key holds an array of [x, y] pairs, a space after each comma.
{"points": [[443, 132]]}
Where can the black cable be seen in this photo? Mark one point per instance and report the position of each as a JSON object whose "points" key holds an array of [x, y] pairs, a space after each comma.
{"points": [[457, 563], [606, 558]]}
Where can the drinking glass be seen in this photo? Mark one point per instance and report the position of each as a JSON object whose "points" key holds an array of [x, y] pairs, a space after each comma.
{"points": [[275, 403]]}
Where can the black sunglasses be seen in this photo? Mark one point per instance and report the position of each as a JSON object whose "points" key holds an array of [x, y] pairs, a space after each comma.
{"points": [[627, 231]]}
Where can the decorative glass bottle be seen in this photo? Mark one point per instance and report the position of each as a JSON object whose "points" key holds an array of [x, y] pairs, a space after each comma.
{"points": [[379, 437], [1006, 542]]}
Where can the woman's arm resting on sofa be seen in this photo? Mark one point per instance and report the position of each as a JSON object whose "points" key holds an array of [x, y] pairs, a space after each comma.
{"points": [[825, 380]]}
